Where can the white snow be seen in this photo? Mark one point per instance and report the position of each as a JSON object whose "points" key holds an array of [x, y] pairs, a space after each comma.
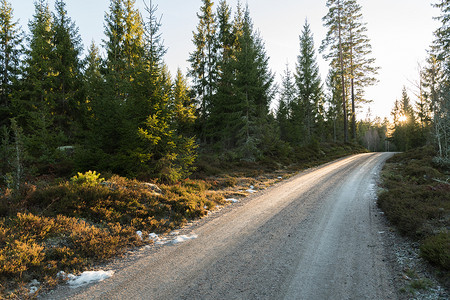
{"points": [[153, 236], [251, 191], [34, 286], [139, 233], [280, 177], [183, 238], [162, 241], [232, 200], [89, 277]]}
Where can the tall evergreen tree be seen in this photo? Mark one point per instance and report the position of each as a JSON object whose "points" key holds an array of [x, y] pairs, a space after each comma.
{"points": [[361, 65], [441, 102], [37, 75], [203, 62], [35, 103], [10, 56], [309, 85], [349, 51], [252, 86], [335, 21], [225, 110], [285, 115], [66, 65]]}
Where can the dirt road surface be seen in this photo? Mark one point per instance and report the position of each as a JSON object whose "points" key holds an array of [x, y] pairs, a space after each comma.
{"points": [[317, 235]]}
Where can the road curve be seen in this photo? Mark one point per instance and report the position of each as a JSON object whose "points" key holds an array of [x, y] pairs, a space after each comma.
{"points": [[314, 236]]}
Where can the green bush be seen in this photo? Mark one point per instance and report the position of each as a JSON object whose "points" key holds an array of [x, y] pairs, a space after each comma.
{"points": [[436, 249], [89, 178]]}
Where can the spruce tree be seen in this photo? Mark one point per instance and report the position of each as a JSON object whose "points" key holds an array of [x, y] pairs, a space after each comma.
{"points": [[285, 114], [307, 78], [10, 55], [37, 75], [253, 88], [203, 62], [67, 90], [35, 103]]}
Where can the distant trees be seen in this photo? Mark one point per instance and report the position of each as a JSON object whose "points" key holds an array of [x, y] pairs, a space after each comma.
{"points": [[404, 124]]}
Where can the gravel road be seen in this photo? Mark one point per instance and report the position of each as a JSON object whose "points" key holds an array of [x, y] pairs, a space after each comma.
{"points": [[317, 235]]}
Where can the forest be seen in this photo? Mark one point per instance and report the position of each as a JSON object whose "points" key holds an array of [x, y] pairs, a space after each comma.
{"points": [[62, 112], [67, 112]]}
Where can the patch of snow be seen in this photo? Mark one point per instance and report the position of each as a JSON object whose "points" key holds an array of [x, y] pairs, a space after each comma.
{"points": [[380, 232], [252, 187], [34, 286], [153, 236], [280, 177], [184, 238], [139, 233], [89, 277], [251, 191], [162, 242], [232, 200]]}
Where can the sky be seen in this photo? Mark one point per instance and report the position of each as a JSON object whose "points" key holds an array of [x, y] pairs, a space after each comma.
{"points": [[400, 31]]}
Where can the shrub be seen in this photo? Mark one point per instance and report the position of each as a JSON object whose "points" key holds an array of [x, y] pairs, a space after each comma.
{"points": [[90, 178], [17, 256], [436, 249]]}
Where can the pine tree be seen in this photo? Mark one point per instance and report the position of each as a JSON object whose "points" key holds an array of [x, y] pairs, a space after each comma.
{"points": [[361, 68], [10, 55], [349, 51], [309, 86], [204, 62], [335, 21]]}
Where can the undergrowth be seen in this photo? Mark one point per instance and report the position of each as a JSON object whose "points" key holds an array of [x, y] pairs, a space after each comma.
{"points": [[72, 224], [416, 200]]}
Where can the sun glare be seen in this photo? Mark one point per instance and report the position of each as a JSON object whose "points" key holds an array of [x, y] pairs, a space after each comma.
{"points": [[402, 119]]}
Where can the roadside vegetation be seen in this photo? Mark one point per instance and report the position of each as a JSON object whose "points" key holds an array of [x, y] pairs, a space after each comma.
{"points": [[71, 224], [415, 198]]}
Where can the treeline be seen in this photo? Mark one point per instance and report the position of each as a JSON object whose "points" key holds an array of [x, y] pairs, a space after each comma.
{"points": [[428, 120], [234, 85], [122, 112]]}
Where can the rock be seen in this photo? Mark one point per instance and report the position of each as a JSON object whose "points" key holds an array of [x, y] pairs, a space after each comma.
{"points": [[151, 187]]}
